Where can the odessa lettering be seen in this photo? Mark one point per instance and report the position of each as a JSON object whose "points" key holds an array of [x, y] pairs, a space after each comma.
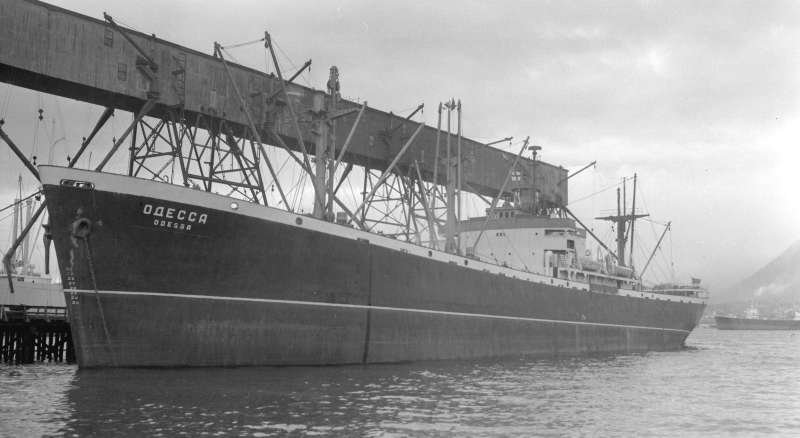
{"points": [[175, 218]]}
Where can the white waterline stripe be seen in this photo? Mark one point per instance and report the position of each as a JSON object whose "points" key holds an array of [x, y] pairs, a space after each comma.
{"points": [[361, 306]]}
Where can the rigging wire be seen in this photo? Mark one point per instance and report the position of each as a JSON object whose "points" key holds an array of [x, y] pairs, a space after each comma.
{"points": [[352, 192], [292, 64], [124, 24], [671, 258], [266, 62], [231, 57], [650, 221], [20, 201], [6, 217], [246, 43], [661, 263], [294, 191], [172, 170], [35, 239], [9, 94], [657, 268], [57, 140], [306, 178], [605, 189], [663, 224], [275, 180]]}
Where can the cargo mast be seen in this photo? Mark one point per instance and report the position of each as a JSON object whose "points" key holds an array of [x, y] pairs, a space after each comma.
{"points": [[621, 220]]}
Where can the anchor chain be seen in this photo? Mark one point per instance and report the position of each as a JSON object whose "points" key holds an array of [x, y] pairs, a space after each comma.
{"points": [[82, 229]]}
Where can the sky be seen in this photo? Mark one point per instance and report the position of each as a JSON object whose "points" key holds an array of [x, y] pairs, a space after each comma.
{"points": [[700, 98]]}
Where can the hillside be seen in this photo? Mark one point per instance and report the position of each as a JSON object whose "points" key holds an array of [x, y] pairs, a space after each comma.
{"points": [[778, 281]]}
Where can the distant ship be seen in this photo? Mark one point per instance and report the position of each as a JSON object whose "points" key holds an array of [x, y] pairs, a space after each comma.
{"points": [[752, 321]]}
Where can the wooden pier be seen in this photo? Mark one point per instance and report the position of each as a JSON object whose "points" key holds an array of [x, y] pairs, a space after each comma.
{"points": [[31, 334]]}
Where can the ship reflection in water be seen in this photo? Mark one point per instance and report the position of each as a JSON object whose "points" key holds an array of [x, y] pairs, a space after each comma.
{"points": [[726, 383]]}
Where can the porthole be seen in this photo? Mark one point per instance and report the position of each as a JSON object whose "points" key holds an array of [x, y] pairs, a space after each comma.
{"points": [[234, 205], [299, 221], [430, 253]]}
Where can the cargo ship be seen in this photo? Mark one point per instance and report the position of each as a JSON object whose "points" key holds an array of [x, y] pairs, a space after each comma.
{"points": [[159, 269], [24, 291], [161, 275], [752, 321]]}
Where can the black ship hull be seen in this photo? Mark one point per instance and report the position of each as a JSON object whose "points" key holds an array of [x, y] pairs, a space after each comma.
{"points": [[159, 275], [732, 323]]}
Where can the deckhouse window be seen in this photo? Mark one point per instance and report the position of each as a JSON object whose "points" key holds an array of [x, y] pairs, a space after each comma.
{"points": [[570, 244]]}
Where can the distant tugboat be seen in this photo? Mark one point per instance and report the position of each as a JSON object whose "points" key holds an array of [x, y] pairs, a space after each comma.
{"points": [[752, 321]]}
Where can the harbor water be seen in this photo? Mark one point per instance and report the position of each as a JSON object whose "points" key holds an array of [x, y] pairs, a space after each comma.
{"points": [[726, 383]]}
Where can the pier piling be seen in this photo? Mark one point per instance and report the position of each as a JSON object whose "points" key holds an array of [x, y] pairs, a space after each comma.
{"points": [[35, 340]]}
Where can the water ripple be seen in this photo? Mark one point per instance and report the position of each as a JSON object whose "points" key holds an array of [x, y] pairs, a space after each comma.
{"points": [[727, 384]]}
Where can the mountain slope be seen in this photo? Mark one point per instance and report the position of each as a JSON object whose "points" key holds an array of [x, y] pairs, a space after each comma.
{"points": [[778, 280]]}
